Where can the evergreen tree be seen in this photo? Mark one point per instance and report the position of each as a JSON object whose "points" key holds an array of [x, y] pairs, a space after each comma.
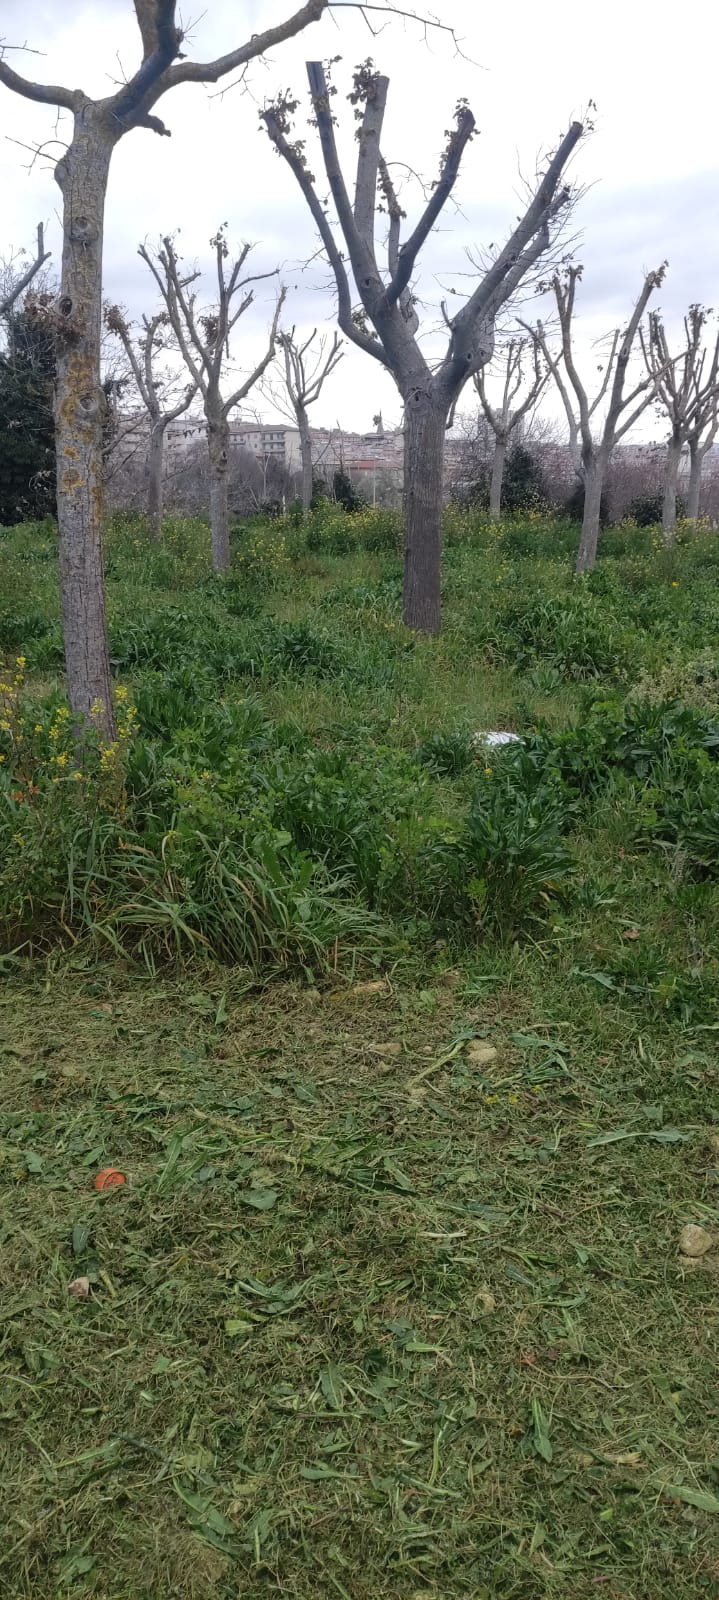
{"points": [[27, 440], [523, 486], [345, 493]]}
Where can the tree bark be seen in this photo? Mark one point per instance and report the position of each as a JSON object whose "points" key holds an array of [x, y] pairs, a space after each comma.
{"points": [[218, 442], [696, 463], [593, 483], [79, 410], [303, 424], [497, 479], [671, 479], [425, 422], [156, 461]]}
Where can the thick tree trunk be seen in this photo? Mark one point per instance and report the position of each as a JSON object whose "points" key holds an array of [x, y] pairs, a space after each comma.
{"points": [[593, 482], [497, 479], [424, 433], [79, 410], [696, 462], [671, 479], [303, 425], [218, 443], [155, 483]]}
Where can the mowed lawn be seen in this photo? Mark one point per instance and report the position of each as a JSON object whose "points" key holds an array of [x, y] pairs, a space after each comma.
{"points": [[392, 1301]]}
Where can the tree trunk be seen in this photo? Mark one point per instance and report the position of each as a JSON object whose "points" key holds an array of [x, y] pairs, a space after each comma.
{"points": [[218, 442], [303, 425], [495, 487], [424, 433], [671, 479], [79, 411], [696, 463], [593, 482], [155, 483]]}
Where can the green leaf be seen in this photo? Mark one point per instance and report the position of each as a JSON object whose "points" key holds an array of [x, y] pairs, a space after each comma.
{"points": [[657, 1135], [333, 1386], [80, 1237], [259, 1199], [542, 1442], [33, 1162], [692, 1497], [235, 1326], [316, 1474]]}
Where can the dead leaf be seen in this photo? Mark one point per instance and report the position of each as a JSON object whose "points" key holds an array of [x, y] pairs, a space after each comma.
{"points": [[694, 1241], [392, 1048], [377, 986], [628, 1458], [79, 1288], [486, 1300], [631, 933]]}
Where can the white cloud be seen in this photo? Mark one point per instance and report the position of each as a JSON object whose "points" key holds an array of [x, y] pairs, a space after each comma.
{"points": [[649, 167]]}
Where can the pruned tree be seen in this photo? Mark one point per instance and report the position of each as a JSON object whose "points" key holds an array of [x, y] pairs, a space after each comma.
{"points": [[388, 305], [505, 418], [82, 174], [682, 390], [305, 373], [702, 434], [591, 450], [204, 340], [158, 392], [11, 290]]}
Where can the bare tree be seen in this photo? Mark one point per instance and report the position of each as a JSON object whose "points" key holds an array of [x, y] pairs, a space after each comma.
{"points": [[155, 389], [388, 304], [504, 419], [82, 174], [701, 438], [686, 392], [306, 371], [204, 340], [14, 287], [591, 452]]}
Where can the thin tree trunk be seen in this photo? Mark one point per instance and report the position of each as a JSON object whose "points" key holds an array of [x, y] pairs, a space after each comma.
{"points": [[593, 482], [671, 479], [423, 481], [696, 463], [495, 487], [79, 411], [306, 458], [218, 442], [155, 483]]}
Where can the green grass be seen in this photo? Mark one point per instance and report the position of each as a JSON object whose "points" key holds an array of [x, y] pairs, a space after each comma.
{"points": [[391, 1304]]}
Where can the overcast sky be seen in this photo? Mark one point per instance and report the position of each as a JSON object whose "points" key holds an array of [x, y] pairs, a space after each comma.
{"points": [[650, 168]]}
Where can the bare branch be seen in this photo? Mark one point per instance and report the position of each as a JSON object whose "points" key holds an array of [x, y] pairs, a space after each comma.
{"points": [[249, 383], [41, 256], [49, 94], [458, 141], [275, 119], [258, 45]]}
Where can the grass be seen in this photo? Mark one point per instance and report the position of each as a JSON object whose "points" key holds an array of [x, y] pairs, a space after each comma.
{"points": [[391, 1303]]}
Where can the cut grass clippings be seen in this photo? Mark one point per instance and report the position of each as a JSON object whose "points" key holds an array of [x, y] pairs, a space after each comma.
{"points": [[368, 1317]]}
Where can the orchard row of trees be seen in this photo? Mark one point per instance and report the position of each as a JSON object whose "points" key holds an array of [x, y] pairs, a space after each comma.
{"points": [[377, 308]]}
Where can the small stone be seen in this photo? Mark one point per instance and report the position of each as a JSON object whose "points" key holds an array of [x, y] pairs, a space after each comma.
{"points": [[694, 1241], [481, 1054], [79, 1288]]}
